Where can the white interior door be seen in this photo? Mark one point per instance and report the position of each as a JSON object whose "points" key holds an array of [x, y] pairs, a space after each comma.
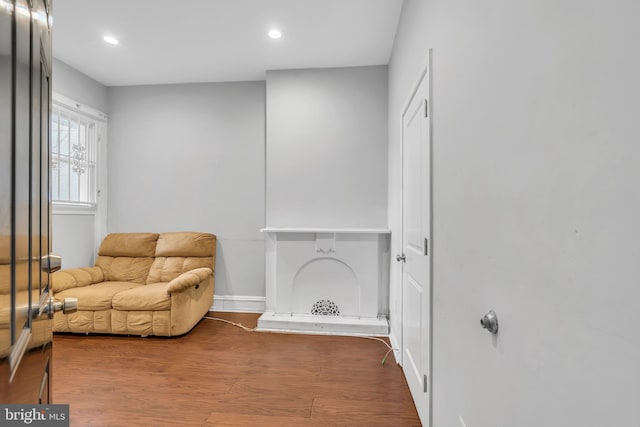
{"points": [[416, 239]]}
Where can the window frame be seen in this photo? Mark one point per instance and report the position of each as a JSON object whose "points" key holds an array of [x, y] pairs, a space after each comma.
{"points": [[100, 119]]}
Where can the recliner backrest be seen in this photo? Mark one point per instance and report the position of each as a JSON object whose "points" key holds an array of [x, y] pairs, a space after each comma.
{"points": [[127, 257], [179, 252]]}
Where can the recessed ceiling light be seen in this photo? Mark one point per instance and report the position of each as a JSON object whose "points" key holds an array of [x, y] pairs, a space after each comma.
{"points": [[111, 40], [275, 34]]}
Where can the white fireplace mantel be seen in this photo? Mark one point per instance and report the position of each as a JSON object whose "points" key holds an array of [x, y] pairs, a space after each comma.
{"points": [[353, 230], [346, 266]]}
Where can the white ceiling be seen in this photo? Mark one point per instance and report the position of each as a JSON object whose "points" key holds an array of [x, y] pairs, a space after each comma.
{"points": [[178, 41]]}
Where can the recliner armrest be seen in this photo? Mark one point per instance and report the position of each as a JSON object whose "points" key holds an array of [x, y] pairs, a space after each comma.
{"points": [[75, 278], [189, 278]]}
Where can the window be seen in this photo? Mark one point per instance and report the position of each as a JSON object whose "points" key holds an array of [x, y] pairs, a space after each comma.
{"points": [[74, 152]]}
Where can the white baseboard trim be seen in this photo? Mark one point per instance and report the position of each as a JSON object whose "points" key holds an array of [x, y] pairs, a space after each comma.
{"points": [[393, 339], [239, 303]]}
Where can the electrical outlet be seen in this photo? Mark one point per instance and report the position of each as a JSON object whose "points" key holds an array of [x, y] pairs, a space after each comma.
{"points": [[462, 424]]}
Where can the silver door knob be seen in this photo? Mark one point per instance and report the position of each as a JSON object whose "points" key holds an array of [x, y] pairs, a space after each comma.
{"points": [[50, 306], [51, 263], [490, 322], [401, 257], [68, 305]]}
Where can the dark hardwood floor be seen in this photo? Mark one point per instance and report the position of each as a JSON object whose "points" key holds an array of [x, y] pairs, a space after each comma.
{"points": [[221, 375]]}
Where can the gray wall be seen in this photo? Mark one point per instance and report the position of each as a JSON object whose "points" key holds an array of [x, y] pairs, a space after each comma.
{"points": [[74, 239], [191, 157], [73, 84], [73, 236], [327, 147], [536, 206]]}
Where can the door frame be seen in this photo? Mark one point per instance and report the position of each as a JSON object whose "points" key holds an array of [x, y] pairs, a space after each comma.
{"points": [[25, 363], [426, 67]]}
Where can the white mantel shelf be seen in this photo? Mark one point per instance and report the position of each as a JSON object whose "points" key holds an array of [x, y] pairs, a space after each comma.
{"points": [[352, 230]]}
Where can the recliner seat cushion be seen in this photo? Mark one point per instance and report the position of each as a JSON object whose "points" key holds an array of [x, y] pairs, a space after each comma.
{"points": [[149, 297], [98, 296]]}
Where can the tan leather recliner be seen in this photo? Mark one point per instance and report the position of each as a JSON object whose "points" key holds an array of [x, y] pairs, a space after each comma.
{"points": [[142, 284]]}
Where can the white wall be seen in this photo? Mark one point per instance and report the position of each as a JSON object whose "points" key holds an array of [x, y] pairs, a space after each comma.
{"points": [[327, 147], [536, 207], [78, 86], [74, 236], [74, 239], [191, 157]]}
